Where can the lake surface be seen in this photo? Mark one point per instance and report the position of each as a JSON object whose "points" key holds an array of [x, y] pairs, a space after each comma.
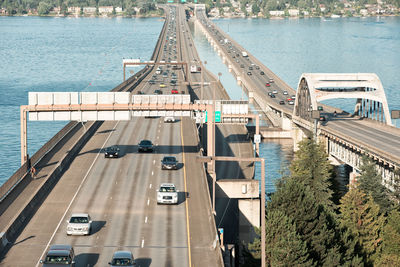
{"points": [[85, 54]]}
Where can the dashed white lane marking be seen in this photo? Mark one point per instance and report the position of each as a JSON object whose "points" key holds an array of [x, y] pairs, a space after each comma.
{"points": [[142, 243], [154, 162], [145, 220], [150, 186], [73, 198], [152, 172], [148, 201]]}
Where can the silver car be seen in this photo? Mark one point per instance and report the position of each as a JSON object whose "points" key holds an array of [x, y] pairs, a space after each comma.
{"points": [[167, 194], [122, 258], [79, 224]]}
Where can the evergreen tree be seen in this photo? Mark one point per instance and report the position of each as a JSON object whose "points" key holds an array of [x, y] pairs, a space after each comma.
{"points": [[361, 216], [285, 246], [391, 238], [370, 181], [313, 223], [311, 166]]}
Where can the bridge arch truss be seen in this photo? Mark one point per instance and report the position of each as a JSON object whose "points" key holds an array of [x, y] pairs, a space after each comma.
{"points": [[365, 87]]}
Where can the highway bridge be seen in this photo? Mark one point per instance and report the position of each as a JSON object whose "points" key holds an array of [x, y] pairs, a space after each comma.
{"points": [[120, 194], [73, 176], [368, 131]]}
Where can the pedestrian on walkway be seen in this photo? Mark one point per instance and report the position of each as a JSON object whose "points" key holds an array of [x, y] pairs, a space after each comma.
{"points": [[33, 172]]}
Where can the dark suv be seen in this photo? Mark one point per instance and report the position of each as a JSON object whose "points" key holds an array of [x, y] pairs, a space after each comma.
{"points": [[145, 146], [59, 255], [169, 163], [111, 152]]}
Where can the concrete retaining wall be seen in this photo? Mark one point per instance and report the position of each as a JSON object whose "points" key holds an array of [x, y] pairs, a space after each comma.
{"points": [[21, 173]]}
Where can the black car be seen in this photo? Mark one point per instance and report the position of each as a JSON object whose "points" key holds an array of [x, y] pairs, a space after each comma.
{"points": [[145, 146], [262, 73], [281, 102], [158, 92], [111, 152], [169, 163]]}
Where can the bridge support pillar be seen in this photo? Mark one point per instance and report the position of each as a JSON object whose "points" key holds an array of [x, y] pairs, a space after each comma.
{"points": [[286, 124], [297, 136], [249, 217]]}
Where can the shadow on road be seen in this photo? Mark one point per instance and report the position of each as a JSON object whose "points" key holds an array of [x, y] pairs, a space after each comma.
{"points": [[96, 226], [87, 259], [143, 262]]}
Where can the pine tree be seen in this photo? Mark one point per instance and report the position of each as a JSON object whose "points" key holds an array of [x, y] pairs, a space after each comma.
{"points": [[313, 223], [361, 216], [311, 166], [285, 247], [391, 239], [370, 181]]}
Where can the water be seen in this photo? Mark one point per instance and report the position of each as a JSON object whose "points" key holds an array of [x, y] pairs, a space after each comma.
{"points": [[61, 54], [85, 54]]}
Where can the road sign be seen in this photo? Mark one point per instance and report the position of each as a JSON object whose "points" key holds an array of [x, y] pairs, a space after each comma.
{"points": [[257, 138], [217, 116]]}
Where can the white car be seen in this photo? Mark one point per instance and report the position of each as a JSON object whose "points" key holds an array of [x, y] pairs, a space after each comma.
{"points": [[285, 92], [169, 119], [167, 194], [79, 224]]}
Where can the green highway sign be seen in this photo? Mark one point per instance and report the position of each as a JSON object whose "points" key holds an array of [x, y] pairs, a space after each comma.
{"points": [[170, 1], [217, 116]]}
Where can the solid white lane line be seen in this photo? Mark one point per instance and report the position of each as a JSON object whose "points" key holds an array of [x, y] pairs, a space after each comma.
{"points": [[73, 198]]}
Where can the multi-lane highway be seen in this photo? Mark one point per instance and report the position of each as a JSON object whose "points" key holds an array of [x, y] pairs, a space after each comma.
{"points": [[120, 194]]}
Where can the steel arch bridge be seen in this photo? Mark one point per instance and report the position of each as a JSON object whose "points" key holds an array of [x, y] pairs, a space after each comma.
{"points": [[365, 87]]}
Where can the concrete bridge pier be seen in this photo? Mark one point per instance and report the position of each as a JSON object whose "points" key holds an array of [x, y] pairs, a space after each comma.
{"points": [[230, 68]]}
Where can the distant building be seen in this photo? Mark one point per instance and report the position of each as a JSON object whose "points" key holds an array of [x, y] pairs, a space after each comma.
{"points": [[306, 13], [214, 12], [56, 9], [249, 8], [294, 12], [235, 4], [74, 10], [322, 7], [89, 10], [363, 12], [3, 11], [277, 13], [118, 9], [105, 9]]}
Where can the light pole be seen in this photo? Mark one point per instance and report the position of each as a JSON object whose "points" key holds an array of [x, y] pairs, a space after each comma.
{"points": [[202, 80]]}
